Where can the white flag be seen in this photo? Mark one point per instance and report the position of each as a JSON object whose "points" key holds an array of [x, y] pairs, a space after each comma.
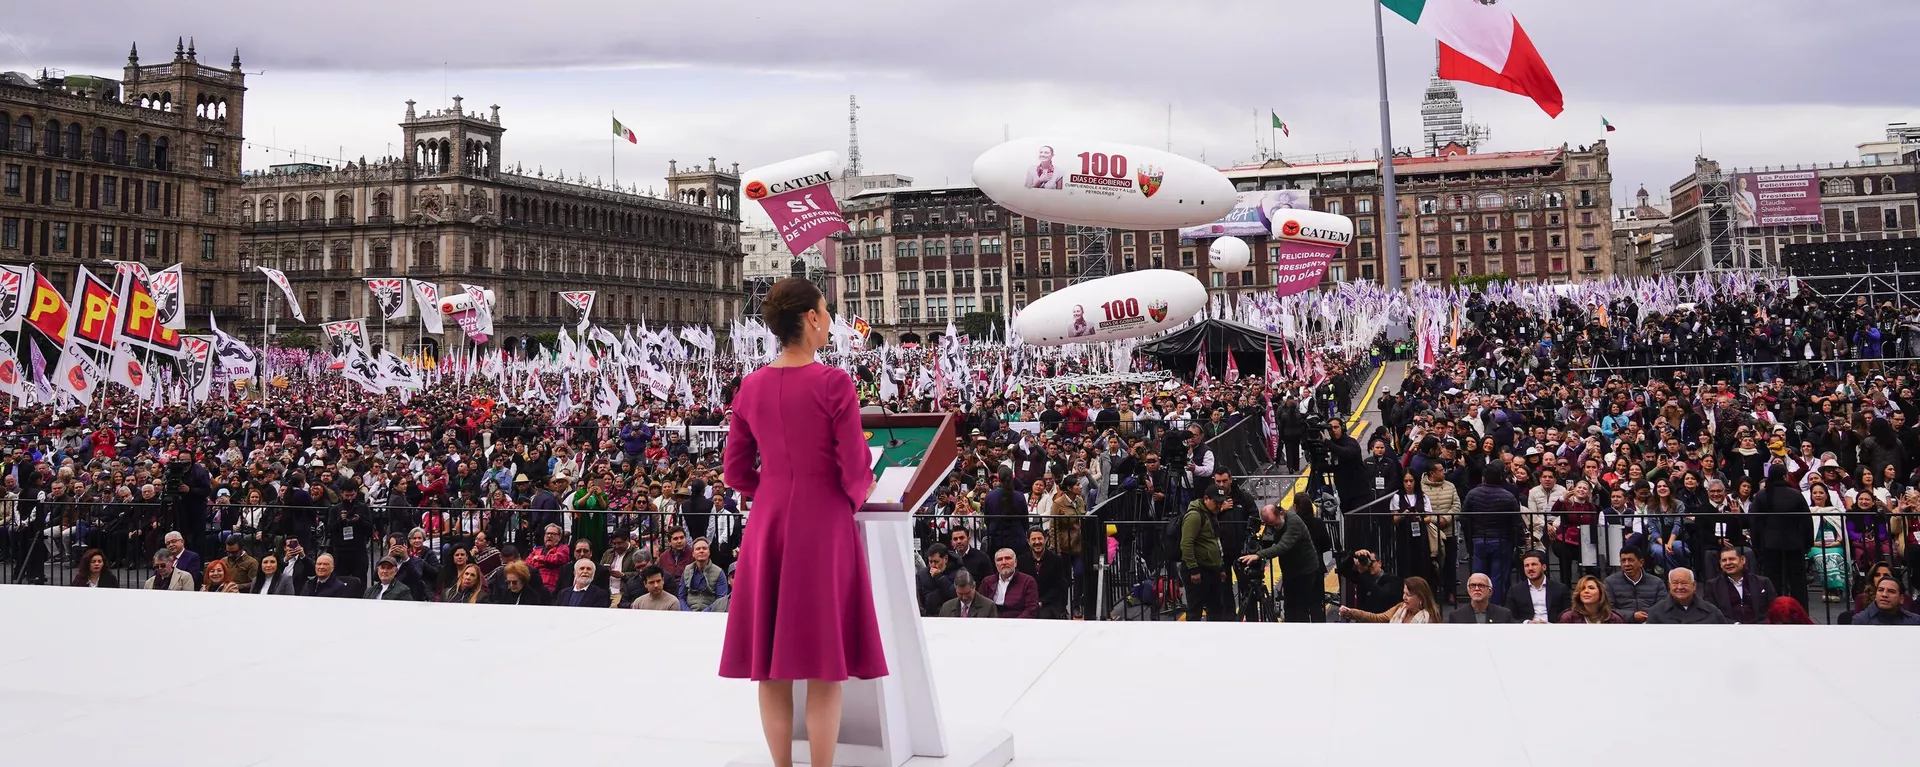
{"points": [[279, 280], [426, 295]]}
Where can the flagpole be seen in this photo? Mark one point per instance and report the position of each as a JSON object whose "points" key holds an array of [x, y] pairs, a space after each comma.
{"points": [[613, 152], [1390, 198]]}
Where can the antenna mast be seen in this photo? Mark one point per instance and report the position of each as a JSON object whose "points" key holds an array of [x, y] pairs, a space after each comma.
{"points": [[853, 137]]}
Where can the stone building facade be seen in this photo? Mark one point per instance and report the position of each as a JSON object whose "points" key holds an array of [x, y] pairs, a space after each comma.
{"points": [[453, 211], [146, 168]]}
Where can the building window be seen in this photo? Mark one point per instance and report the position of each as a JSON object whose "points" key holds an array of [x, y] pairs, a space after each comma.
{"points": [[875, 283], [1365, 227], [1433, 270], [1890, 218], [63, 185], [1430, 247], [850, 283], [1586, 240], [1459, 245], [1459, 224], [1153, 238], [209, 243], [909, 280], [1219, 279], [1366, 271], [1553, 241], [206, 293], [1493, 244], [10, 233], [1524, 242], [110, 191], [1848, 221], [209, 202], [1333, 206], [13, 181], [1429, 226], [106, 240], [936, 308], [209, 155], [1522, 221], [152, 249], [59, 237], [1186, 257], [1429, 205], [1366, 251], [1490, 222], [1046, 265], [1489, 200], [1363, 205], [1553, 219]]}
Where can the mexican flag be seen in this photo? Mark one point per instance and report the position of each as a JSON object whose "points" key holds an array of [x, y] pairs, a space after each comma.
{"points": [[624, 132], [1605, 124], [1481, 43], [1278, 123]]}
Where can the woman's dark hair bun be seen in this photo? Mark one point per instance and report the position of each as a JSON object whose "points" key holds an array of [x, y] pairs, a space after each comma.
{"points": [[788, 301]]}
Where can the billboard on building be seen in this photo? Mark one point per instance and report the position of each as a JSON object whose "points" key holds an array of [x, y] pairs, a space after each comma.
{"points": [[1251, 215], [1777, 199]]}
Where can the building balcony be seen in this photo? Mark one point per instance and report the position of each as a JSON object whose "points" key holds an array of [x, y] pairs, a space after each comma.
{"points": [[340, 221], [381, 220], [379, 271]]}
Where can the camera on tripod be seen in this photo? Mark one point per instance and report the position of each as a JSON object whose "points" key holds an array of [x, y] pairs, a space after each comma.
{"points": [[1316, 440]]}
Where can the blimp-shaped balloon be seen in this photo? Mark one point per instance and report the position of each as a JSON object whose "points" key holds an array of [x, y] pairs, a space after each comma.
{"points": [[1229, 254], [461, 302], [1101, 183], [1125, 305], [1312, 226]]}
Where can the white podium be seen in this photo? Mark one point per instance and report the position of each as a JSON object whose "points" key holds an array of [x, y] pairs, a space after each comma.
{"points": [[895, 721]]}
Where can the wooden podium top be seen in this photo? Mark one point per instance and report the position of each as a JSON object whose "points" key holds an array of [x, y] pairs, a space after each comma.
{"points": [[922, 442]]}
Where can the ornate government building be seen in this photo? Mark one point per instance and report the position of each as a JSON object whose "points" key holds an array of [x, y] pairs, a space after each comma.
{"points": [[141, 168], [454, 212]]}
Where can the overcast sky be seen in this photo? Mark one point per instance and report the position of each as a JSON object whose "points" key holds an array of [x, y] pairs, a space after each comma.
{"points": [[1753, 82]]}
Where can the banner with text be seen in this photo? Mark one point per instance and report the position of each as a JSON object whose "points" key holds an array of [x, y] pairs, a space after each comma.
{"points": [[1777, 199]]}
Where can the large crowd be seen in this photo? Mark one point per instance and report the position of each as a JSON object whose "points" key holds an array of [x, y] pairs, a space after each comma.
{"points": [[1736, 458]]}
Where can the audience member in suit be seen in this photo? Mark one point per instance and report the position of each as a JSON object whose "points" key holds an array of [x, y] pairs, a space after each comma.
{"points": [[325, 584], [967, 602], [183, 557], [1014, 593], [582, 592], [1741, 594], [1480, 607], [166, 577], [1527, 597]]}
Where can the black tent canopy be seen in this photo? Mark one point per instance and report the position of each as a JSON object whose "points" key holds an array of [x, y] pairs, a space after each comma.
{"points": [[1179, 350]]}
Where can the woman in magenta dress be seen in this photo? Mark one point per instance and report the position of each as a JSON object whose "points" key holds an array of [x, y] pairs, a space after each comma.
{"points": [[802, 606]]}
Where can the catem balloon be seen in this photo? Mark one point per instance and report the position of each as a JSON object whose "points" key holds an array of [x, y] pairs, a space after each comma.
{"points": [[1229, 254], [455, 303], [1312, 226], [788, 175], [1112, 308], [1102, 183]]}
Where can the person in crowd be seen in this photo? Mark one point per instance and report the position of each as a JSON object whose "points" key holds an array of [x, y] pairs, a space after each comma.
{"points": [[967, 602], [1537, 598], [968, 557], [387, 584], [1285, 540], [325, 582], [217, 581], [1741, 595], [242, 568], [518, 586], [1782, 532], [1886, 609], [1493, 522], [581, 591], [1786, 612], [550, 557], [1590, 604], [1632, 591], [934, 582], [272, 579], [183, 557], [1202, 560], [467, 587], [91, 571], [1014, 594], [1480, 607], [1416, 606], [654, 580], [165, 576], [1050, 573], [1683, 604], [702, 582]]}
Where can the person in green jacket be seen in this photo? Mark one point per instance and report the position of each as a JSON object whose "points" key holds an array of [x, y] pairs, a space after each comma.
{"points": [[1202, 559], [1286, 540], [591, 497]]}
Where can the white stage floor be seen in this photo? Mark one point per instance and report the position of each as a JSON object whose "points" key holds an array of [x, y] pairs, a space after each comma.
{"points": [[132, 677]]}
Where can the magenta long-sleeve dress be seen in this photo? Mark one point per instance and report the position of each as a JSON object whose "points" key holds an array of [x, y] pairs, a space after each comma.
{"points": [[802, 605]]}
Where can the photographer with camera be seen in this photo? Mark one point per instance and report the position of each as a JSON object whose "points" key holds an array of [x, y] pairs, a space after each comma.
{"points": [[1286, 539], [1374, 589]]}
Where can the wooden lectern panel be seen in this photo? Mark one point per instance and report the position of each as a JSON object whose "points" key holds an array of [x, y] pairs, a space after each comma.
{"points": [[924, 442]]}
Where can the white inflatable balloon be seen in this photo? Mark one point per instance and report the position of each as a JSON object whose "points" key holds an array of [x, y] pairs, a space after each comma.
{"points": [[1112, 308], [1229, 254], [1101, 183]]}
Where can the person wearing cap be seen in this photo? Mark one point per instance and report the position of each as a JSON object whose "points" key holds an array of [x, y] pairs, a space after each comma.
{"points": [[387, 584], [1202, 559]]}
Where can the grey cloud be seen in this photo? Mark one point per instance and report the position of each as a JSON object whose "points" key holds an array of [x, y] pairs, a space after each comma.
{"points": [[1672, 51]]}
